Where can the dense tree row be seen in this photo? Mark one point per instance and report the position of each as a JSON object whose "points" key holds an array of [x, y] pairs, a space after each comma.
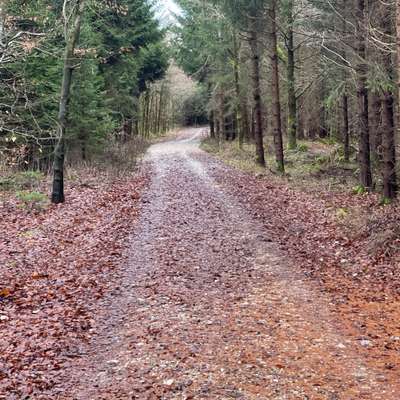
{"points": [[294, 69], [73, 75]]}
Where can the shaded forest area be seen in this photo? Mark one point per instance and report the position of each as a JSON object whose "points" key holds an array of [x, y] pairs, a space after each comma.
{"points": [[281, 73], [309, 87], [84, 84], [303, 94]]}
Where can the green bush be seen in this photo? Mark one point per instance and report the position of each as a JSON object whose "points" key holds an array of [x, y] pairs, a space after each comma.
{"points": [[385, 201], [33, 200], [6, 183], [302, 147], [322, 159], [359, 190]]}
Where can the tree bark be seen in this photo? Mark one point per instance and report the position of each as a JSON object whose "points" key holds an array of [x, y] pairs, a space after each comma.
{"points": [[2, 20], [216, 124], [212, 124], [388, 125], [375, 125], [362, 97], [159, 109], [346, 129], [388, 147], [292, 100], [258, 125], [245, 123], [221, 115], [345, 96], [398, 49], [59, 152], [146, 113], [238, 108], [275, 92]]}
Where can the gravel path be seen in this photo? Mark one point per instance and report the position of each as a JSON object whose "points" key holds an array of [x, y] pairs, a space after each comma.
{"points": [[211, 309]]}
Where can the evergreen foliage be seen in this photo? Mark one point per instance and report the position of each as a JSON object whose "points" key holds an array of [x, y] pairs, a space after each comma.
{"points": [[120, 52]]}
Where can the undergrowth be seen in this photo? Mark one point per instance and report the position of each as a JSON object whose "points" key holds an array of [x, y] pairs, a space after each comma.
{"points": [[25, 180], [319, 169], [32, 201], [314, 166]]}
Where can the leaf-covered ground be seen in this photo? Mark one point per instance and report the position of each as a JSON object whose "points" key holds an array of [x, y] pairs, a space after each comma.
{"points": [[228, 286], [355, 258], [55, 265]]}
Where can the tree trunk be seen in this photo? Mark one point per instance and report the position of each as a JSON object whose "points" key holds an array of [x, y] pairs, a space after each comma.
{"points": [[146, 113], [245, 123], [388, 147], [216, 124], [258, 127], [212, 124], [292, 100], [2, 20], [59, 152], [238, 111], [362, 97], [135, 112], [275, 92], [388, 125], [345, 96], [211, 114], [323, 132], [346, 129], [398, 49], [375, 125], [221, 115], [159, 110], [150, 114], [83, 140], [253, 125], [234, 128]]}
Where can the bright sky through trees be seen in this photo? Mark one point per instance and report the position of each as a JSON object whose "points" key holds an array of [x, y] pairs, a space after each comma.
{"points": [[171, 6], [166, 10]]}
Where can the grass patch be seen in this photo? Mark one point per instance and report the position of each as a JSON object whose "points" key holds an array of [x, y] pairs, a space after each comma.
{"points": [[313, 165], [32, 201], [230, 152]]}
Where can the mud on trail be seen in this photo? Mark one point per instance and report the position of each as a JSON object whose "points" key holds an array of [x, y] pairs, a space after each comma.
{"points": [[211, 308]]}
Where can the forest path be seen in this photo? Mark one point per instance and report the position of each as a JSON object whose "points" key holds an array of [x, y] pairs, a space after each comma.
{"points": [[212, 309]]}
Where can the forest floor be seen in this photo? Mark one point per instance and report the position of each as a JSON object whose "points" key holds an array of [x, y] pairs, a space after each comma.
{"points": [[196, 280]]}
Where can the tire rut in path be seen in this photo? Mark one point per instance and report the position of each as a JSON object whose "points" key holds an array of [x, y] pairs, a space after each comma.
{"points": [[210, 309]]}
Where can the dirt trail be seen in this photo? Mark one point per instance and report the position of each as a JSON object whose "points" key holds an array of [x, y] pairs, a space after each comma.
{"points": [[211, 309]]}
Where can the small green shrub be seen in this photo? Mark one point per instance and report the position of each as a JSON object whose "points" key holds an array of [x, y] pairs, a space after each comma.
{"points": [[302, 148], [33, 200], [385, 201], [7, 183], [359, 190], [322, 159]]}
